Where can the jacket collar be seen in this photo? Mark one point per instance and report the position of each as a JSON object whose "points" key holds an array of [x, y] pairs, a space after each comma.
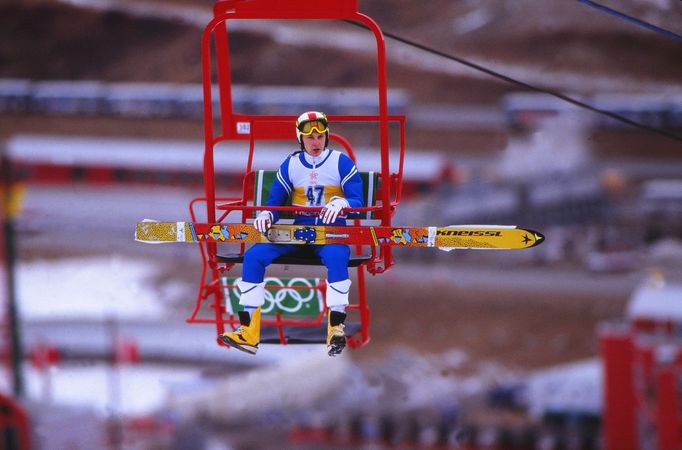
{"points": [[310, 162]]}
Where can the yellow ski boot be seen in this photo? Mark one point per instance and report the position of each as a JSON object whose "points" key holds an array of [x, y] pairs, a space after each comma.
{"points": [[247, 336], [336, 337]]}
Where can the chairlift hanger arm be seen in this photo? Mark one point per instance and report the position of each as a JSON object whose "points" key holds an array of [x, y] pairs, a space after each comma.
{"points": [[283, 9]]}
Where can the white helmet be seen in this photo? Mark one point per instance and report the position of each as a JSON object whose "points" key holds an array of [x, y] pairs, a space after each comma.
{"points": [[311, 121]]}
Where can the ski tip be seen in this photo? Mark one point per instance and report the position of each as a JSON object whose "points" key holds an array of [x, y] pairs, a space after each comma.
{"points": [[531, 238], [534, 237]]}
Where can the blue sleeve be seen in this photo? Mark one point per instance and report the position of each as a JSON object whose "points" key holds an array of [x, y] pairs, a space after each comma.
{"points": [[280, 190], [351, 182]]}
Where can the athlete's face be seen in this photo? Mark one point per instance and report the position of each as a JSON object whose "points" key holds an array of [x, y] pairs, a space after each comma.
{"points": [[314, 143]]}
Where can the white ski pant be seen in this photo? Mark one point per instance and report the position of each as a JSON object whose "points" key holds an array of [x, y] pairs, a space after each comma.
{"points": [[337, 293], [253, 294]]}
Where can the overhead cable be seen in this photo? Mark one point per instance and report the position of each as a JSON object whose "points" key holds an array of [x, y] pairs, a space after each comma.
{"points": [[632, 19], [525, 85]]}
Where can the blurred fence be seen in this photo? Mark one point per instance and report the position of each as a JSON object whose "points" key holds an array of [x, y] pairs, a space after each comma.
{"points": [[174, 100], [525, 110]]}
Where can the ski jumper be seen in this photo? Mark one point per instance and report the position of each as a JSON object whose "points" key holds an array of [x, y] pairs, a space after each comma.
{"points": [[308, 181]]}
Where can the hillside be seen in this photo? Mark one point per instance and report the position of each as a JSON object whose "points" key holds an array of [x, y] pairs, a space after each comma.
{"points": [[555, 44], [40, 41]]}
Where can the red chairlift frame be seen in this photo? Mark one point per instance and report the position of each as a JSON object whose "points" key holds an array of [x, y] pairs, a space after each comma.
{"points": [[242, 127]]}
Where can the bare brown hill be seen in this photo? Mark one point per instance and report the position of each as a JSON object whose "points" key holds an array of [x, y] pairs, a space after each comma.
{"points": [[49, 40]]}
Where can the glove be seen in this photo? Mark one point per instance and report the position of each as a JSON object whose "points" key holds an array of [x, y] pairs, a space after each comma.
{"points": [[332, 209], [263, 221]]}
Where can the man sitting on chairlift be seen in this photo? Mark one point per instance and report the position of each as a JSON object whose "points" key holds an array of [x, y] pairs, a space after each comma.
{"points": [[314, 176]]}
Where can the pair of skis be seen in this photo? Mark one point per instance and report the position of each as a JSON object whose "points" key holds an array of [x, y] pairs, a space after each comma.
{"points": [[445, 238]]}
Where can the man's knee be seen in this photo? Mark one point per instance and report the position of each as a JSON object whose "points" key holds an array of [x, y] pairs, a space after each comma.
{"points": [[336, 257], [258, 255], [334, 253]]}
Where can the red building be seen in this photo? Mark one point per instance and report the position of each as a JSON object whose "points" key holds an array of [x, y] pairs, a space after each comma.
{"points": [[642, 360]]}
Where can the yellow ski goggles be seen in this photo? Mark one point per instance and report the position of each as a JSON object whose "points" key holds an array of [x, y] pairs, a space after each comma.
{"points": [[307, 128]]}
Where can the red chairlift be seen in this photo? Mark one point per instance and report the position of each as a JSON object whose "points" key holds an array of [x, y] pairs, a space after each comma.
{"points": [[215, 286]]}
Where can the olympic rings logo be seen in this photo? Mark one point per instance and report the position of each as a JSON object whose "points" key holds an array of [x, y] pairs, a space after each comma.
{"points": [[288, 295]]}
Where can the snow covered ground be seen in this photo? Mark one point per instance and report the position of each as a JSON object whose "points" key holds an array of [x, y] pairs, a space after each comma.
{"points": [[129, 390], [73, 300], [98, 288], [74, 289], [94, 289], [86, 294]]}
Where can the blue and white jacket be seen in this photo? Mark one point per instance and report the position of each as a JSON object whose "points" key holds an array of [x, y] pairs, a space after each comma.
{"points": [[313, 181]]}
